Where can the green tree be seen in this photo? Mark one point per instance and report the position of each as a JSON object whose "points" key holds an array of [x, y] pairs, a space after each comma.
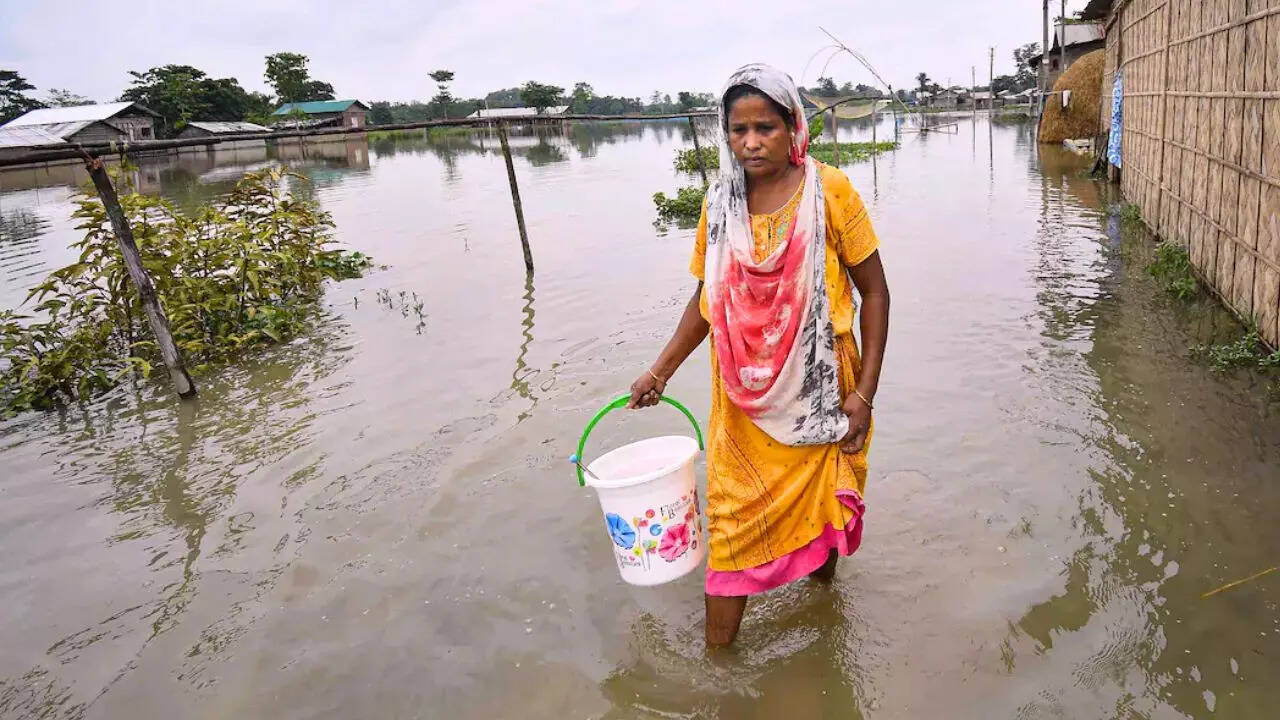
{"points": [[826, 86], [443, 98], [287, 73], [380, 113], [923, 80], [181, 93], [13, 98], [580, 100], [65, 98], [1025, 78], [539, 96]]}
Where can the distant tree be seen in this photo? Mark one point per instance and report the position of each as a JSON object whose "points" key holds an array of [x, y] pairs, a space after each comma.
{"points": [[443, 98], [287, 73], [1025, 77], [826, 86], [539, 96], [848, 89], [380, 113], [13, 98], [505, 98], [580, 100], [1005, 83], [181, 93], [65, 98], [687, 100], [923, 80]]}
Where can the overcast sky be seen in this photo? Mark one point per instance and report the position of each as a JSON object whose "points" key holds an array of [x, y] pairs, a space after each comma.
{"points": [[384, 50]]}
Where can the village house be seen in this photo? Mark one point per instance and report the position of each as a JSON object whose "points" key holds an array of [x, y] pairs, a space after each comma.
{"points": [[1079, 38], [205, 128], [82, 124], [321, 113], [498, 113]]}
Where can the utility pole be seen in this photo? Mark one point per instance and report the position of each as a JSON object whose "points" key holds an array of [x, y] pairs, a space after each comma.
{"points": [[1044, 63], [991, 77], [973, 91], [1062, 23]]}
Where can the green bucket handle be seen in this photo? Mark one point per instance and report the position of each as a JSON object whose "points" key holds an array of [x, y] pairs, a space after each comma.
{"points": [[618, 402]]}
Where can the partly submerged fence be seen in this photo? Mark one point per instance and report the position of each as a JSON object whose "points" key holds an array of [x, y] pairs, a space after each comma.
{"points": [[1201, 138]]}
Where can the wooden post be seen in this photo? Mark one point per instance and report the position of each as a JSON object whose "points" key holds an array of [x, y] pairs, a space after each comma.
{"points": [[1062, 22], [973, 88], [873, 126], [991, 81], [146, 289], [835, 137], [697, 148], [515, 196]]}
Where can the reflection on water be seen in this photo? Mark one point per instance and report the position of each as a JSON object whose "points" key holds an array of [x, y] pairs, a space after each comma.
{"points": [[379, 514]]}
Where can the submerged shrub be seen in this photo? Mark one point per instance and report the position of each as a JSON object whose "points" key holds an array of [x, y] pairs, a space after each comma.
{"points": [[241, 271], [686, 205]]}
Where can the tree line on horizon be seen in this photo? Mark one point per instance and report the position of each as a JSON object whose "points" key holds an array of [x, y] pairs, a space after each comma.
{"points": [[180, 94]]}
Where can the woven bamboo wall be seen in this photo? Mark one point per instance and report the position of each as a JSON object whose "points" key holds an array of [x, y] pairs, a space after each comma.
{"points": [[1201, 144]]}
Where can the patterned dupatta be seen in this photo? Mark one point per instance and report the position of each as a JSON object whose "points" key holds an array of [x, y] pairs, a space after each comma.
{"points": [[771, 320]]}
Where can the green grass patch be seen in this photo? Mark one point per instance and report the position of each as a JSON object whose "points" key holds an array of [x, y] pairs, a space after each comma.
{"points": [[1171, 267], [849, 152], [1247, 351]]}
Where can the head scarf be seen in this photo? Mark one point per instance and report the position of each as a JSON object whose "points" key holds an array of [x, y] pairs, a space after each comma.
{"points": [[771, 319]]}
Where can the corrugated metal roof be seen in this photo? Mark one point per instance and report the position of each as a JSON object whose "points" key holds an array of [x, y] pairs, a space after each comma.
{"points": [[12, 137], [219, 127], [318, 106], [83, 114], [517, 112], [1078, 34]]}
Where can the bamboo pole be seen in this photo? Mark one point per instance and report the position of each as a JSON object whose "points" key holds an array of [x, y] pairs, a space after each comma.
{"points": [[141, 280], [697, 148], [515, 196], [835, 137]]}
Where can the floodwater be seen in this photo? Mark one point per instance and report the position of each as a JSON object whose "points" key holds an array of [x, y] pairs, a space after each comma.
{"points": [[377, 520]]}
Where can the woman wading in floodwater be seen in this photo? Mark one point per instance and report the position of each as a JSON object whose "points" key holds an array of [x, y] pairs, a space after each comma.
{"points": [[782, 241]]}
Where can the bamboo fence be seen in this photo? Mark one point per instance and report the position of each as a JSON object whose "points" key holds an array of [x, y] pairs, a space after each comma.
{"points": [[1201, 138]]}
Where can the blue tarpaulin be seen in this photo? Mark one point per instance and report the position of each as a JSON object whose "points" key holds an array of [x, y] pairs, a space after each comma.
{"points": [[1117, 103]]}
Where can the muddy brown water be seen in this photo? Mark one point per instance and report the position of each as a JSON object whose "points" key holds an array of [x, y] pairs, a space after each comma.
{"points": [[377, 519]]}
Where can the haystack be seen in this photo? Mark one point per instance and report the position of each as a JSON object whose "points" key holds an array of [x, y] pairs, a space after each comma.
{"points": [[1082, 117]]}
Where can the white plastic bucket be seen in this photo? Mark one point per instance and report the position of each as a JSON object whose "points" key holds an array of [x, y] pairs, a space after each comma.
{"points": [[649, 497]]}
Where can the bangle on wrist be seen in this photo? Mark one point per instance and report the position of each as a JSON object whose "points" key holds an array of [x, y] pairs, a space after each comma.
{"points": [[654, 375], [864, 399]]}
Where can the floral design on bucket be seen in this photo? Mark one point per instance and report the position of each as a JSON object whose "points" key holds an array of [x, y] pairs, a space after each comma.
{"points": [[622, 534], [675, 542]]}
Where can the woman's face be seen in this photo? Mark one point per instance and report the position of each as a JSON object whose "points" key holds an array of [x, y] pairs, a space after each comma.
{"points": [[758, 136]]}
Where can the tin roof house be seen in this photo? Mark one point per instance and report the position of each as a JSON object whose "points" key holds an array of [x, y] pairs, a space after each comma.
{"points": [[82, 124], [321, 113]]}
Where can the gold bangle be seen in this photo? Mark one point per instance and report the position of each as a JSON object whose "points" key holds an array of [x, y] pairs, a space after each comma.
{"points": [[864, 399], [654, 375]]}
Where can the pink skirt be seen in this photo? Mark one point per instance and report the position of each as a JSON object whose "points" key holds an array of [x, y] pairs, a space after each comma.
{"points": [[797, 563]]}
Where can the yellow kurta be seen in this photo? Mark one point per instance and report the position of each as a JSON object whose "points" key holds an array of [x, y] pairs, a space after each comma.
{"points": [[766, 499]]}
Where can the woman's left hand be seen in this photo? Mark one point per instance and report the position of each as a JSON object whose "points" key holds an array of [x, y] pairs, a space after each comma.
{"points": [[859, 424]]}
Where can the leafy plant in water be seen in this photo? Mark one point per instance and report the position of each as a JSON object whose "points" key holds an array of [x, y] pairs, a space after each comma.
{"points": [[242, 271], [1171, 267], [1245, 351], [687, 160], [685, 205]]}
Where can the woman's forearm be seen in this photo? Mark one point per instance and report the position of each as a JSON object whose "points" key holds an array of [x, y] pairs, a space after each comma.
{"points": [[875, 332], [868, 277], [689, 334]]}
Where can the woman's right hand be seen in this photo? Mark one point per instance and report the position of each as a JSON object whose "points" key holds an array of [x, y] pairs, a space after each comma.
{"points": [[646, 391]]}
